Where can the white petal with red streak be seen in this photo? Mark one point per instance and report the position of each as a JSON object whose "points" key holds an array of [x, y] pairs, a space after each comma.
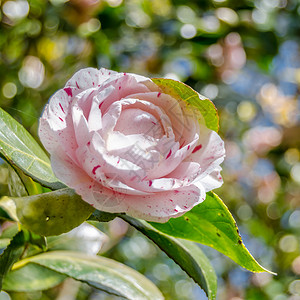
{"points": [[212, 181]]}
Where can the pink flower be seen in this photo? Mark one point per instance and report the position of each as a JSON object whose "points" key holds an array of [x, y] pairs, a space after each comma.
{"points": [[125, 146]]}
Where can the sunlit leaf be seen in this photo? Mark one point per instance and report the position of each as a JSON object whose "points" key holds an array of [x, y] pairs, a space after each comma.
{"points": [[9, 207], [180, 90], [99, 272], [210, 223], [52, 213], [20, 148], [186, 254], [31, 277]]}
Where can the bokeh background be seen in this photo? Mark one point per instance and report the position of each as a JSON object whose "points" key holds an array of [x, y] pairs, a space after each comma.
{"points": [[242, 54]]}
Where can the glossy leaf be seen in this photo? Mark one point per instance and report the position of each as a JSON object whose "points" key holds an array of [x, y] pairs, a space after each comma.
{"points": [[185, 253], [180, 90], [210, 223], [52, 213], [100, 272], [12, 253], [20, 148], [31, 277], [9, 207]]}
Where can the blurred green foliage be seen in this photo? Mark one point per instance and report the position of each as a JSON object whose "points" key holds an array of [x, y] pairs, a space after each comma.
{"points": [[244, 55]]}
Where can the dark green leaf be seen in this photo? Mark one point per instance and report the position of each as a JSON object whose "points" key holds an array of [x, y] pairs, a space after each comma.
{"points": [[38, 241], [100, 272], [186, 254], [12, 253], [52, 213], [102, 216], [20, 149], [4, 214], [181, 91], [31, 277], [210, 223]]}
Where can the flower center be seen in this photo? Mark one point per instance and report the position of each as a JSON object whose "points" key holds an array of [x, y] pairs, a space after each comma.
{"points": [[137, 121]]}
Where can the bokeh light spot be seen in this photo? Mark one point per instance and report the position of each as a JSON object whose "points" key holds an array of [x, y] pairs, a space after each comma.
{"points": [[227, 15], [32, 72], [292, 155], [114, 3], [16, 10], [246, 111], [294, 287], [295, 172], [294, 219], [288, 243], [211, 91], [188, 31], [9, 90]]}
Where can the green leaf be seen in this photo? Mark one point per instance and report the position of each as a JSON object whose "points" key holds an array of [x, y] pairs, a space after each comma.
{"points": [[12, 253], [100, 272], [52, 213], [181, 91], [4, 243], [15, 185], [21, 185], [102, 216], [20, 148], [9, 207], [38, 241], [31, 277], [186, 254], [210, 223]]}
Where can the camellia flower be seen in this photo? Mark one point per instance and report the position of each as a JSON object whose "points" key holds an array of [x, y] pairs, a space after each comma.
{"points": [[125, 145]]}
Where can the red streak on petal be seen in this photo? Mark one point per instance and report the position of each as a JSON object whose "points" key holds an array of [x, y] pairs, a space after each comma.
{"points": [[171, 200], [119, 87], [176, 192], [93, 83], [118, 161], [197, 148], [150, 182], [175, 210], [95, 168], [101, 104], [68, 90], [125, 74], [62, 108], [182, 144], [77, 85], [88, 143], [185, 206], [158, 95], [61, 119], [189, 147], [153, 123], [109, 73], [169, 154], [90, 187]]}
